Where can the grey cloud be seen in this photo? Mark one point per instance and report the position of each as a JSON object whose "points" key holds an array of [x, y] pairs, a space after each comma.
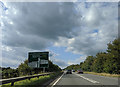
{"points": [[55, 60], [88, 42], [38, 23], [59, 62], [27, 26], [13, 56], [33, 42]]}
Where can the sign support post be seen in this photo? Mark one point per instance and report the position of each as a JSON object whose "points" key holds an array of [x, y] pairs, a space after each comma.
{"points": [[43, 69], [38, 62]]}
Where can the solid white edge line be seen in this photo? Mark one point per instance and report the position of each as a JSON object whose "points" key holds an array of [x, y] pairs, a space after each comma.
{"points": [[57, 80], [90, 80]]}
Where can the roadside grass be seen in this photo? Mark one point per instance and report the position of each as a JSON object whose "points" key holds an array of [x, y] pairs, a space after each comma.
{"points": [[103, 74], [0, 71], [33, 81]]}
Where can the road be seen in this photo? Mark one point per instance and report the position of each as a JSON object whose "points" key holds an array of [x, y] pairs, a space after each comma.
{"points": [[85, 80]]}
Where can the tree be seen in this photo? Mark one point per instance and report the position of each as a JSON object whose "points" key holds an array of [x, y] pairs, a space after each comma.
{"points": [[108, 62], [98, 63], [9, 73], [81, 64], [74, 67], [24, 69], [53, 67], [113, 58], [87, 64]]}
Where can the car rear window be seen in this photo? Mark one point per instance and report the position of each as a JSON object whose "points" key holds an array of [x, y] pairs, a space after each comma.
{"points": [[69, 70]]}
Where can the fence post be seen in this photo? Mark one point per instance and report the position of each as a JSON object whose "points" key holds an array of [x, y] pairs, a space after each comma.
{"points": [[12, 83], [38, 77], [29, 78]]}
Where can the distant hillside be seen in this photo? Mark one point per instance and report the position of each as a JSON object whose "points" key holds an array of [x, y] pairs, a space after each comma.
{"points": [[75, 67]]}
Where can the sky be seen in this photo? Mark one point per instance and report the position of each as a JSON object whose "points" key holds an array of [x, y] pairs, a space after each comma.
{"points": [[70, 31]]}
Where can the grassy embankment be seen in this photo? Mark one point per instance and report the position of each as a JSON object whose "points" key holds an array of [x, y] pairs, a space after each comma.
{"points": [[103, 74], [33, 81]]}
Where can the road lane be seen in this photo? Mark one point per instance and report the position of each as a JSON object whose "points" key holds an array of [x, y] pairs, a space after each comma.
{"points": [[88, 79], [102, 79], [72, 79], [75, 79]]}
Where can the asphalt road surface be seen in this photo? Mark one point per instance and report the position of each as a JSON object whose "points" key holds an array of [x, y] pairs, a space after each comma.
{"points": [[85, 80]]}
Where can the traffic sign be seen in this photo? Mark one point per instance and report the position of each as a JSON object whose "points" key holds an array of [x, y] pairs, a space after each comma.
{"points": [[38, 59]]}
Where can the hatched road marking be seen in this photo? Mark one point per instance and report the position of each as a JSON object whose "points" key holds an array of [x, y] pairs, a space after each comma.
{"points": [[90, 80]]}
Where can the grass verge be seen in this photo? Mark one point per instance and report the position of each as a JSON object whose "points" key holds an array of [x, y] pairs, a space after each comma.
{"points": [[103, 74], [33, 81]]}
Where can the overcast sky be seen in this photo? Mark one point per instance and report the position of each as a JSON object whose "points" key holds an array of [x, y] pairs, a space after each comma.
{"points": [[69, 31]]}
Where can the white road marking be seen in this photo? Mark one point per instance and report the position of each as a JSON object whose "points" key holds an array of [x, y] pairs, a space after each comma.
{"points": [[90, 80], [57, 80]]}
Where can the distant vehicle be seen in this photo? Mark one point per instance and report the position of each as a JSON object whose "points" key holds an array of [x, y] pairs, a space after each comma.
{"points": [[73, 70], [79, 71], [69, 72]]}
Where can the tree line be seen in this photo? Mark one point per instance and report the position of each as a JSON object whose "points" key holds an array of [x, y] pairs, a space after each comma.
{"points": [[107, 62], [23, 69]]}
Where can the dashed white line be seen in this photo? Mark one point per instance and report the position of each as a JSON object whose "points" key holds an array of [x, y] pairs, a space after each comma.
{"points": [[57, 80], [90, 80]]}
